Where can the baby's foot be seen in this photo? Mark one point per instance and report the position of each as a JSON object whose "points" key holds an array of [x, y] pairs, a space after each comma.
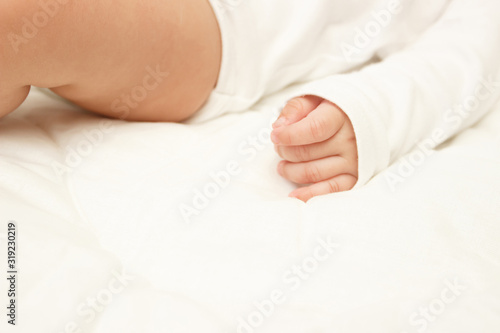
{"points": [[317, 141]]}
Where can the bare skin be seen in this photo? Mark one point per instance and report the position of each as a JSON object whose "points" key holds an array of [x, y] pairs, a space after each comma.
{"points": [[317, 142], [158, 60], [96, 52]]}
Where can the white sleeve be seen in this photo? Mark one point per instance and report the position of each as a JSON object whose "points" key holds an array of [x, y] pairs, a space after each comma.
{"points": [[444, 82]]}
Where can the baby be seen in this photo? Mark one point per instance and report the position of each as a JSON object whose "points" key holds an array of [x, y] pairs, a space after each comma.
{"points": [[180, 60]]}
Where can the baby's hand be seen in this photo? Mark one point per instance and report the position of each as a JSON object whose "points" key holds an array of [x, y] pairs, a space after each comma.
{"points": [[317, 141]]}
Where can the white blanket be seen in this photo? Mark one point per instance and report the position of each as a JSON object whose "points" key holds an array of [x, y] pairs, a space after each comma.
{"points": [[142, 227]]}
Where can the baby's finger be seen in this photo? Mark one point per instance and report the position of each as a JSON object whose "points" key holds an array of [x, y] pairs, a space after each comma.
{"points": [[316, 171], [321, 124], [337, 184], [296, 109], [336, 145]]}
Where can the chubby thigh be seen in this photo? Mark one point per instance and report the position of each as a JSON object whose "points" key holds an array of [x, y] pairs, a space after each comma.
{"points": [[136, 60]]}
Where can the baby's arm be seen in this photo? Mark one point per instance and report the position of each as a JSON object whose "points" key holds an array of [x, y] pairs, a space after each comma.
{"points": [[443, 83]]}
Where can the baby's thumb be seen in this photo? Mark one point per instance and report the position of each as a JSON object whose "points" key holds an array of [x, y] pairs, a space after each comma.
{"points": [[297, 109]]}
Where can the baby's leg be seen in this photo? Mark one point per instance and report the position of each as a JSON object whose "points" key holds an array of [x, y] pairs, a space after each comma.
{"points": [[10, 99], [135, 60], [317, 141]]}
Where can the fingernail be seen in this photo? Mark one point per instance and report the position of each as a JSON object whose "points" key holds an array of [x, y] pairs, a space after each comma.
{"points": [[280, 122], [274, 138]]}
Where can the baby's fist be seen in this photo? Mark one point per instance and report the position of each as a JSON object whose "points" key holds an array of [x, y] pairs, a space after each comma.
{"points": [[317, 142]]}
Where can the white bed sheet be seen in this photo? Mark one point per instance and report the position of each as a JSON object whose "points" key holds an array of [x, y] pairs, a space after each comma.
{"points": [[431, 242]]}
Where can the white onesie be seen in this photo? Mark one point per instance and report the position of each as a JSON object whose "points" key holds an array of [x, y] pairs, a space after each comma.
{"points": [[404, 71]]}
